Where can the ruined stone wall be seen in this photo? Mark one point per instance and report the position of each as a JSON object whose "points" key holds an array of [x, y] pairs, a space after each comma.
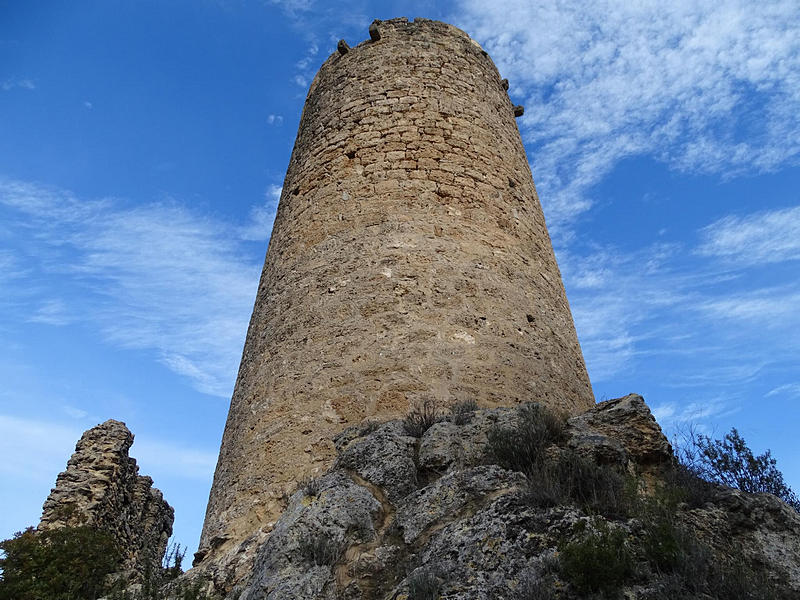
{"points": [[409, 261], [101, 487]]}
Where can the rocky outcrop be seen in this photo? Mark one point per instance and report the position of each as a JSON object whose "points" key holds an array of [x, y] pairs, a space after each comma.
{"points": [[102, 488], [405, 518]]}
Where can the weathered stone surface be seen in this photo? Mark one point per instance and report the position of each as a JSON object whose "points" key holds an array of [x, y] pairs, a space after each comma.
{"points": [[448, 497], [474, 529], [447, 445], [409, 261], [384, 458], [764, 528], [621, 431], [102, 488], [341, 513]]}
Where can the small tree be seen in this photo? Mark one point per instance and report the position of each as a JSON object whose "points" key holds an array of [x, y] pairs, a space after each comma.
{"points": [[730, 462]]}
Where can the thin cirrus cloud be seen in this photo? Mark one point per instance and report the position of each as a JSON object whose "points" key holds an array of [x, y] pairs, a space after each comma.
{"points": [[702, 87], [643, 303], [761, 238], [21, 84], [156, 277], [262, 217], [53, 443]]}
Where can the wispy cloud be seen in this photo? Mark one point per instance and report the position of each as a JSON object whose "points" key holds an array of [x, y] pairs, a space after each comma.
{"points": [[791, 390], [21, 84], [765, 237], [156, 277], [262, 217], [276, 120], [677, 415], [41, 450], [163, 460], [75, 413], [703, 87], [293, 8], [51, 312], [727, 322]]}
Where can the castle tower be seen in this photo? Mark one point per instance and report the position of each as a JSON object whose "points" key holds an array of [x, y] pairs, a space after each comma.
{"points": [[409, 262]]}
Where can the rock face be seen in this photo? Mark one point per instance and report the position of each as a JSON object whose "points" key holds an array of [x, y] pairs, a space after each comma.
{"points": [[409, 262], [102, 488], [403, 518]]}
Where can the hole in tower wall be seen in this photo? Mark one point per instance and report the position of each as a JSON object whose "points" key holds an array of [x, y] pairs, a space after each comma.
{"points": [[351, 154], [295, 191]]}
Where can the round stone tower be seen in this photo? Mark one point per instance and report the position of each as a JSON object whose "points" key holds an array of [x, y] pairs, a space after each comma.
{"points": [[409, 262]]}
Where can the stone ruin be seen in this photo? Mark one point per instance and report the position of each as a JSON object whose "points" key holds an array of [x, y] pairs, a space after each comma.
{"points": [[101, 488]]}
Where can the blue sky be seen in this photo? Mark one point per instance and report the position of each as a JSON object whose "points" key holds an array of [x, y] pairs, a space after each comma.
{"points": [[143, 146]]}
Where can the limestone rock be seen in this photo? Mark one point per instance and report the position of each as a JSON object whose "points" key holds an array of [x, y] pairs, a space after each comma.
{"points": [[101, 487], [448, 497], [296, 562], [766, 529], [396, 514], [448, 445], [623, 432], [384, 458]]}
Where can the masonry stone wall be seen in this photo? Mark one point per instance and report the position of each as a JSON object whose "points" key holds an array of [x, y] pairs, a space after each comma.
{"points": [[101, 488], [409, 262]]}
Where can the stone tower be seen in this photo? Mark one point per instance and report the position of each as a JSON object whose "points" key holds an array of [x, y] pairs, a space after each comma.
{"points": [[409, 262]]}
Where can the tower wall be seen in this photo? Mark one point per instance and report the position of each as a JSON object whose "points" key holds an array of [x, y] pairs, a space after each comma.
{"points": [[409, 261]]}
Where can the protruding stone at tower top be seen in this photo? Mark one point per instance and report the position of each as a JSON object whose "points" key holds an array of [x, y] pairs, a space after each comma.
{"points": [[409, 261]]}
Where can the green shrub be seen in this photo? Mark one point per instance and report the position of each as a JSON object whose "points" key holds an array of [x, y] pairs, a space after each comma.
{"points": [[684, 567], [423, 584], [463, 411], [533, 586], [522, 447], [69, 563], [421, 418], [571, 478], [311, 486], [599, 563], [687, 486], [701, 574], [321, 550]]}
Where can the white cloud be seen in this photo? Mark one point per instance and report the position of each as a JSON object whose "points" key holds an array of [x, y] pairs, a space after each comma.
{"points": [[41, 450], [276, 120], [775, 308], [308, 65], [641, 308], [705, 87], [75, 413], [262, 217], [22, 84], [759, 238], [155, 277], [678, 415], [165, 460], [791, 390], [293, 7], [51, 312]]}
